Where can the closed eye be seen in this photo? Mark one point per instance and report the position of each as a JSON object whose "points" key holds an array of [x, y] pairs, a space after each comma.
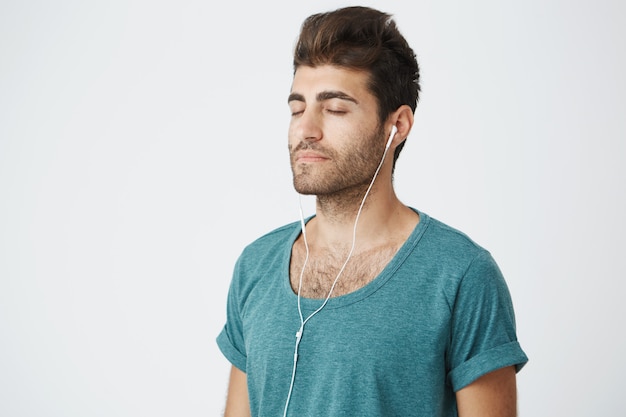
{"points": [[296, 108]]}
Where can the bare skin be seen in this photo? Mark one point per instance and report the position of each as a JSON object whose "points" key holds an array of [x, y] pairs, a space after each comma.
{"points": [[336, 146], [325, 262], [492, 395], [237, 404], [336, 142]]}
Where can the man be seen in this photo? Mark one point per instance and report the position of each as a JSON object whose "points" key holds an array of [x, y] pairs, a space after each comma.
{"points": [[370, 307]]}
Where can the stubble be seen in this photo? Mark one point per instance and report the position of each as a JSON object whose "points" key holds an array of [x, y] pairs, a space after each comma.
{"points": [[341, 181]]}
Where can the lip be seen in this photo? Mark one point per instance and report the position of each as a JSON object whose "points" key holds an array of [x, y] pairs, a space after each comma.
{"points": [[309, 156]]}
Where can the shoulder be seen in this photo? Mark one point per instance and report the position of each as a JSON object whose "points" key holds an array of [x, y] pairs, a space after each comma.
{"points": [[263, 260], [448, 243], [468, 267], [452, 261], [272, 239], [272, 245]]}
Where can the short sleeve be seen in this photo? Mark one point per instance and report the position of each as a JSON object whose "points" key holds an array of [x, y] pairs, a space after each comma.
{"points": [[483, 336], [231, 340]]}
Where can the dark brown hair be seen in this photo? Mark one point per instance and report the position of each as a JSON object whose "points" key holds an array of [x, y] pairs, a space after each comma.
{"points": [[365, 39]]}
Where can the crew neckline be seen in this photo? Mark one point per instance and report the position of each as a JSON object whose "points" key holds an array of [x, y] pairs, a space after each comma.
{"points": [[311, 304]]}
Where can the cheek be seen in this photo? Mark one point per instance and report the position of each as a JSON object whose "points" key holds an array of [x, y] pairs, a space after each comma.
{"points": [[292, 141], [290, 136]]}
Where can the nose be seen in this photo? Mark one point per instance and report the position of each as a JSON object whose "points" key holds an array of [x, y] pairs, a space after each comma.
{"points": [[307, 126]]}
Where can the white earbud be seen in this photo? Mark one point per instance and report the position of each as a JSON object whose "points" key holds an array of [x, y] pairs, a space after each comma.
{"points": [[304, 321], [394, 129]]}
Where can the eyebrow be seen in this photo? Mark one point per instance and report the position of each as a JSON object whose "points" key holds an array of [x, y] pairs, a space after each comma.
{"points": [[324, 95]]}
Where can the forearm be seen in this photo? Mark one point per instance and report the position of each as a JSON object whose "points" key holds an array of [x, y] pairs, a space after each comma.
{"points": [[237, 403], [492, 395]]}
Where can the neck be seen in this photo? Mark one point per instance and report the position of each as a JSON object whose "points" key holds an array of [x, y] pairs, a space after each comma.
{"points": [[381, 216]]}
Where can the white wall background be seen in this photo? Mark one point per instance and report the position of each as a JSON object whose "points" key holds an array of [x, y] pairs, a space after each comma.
{"points": [[143, 144]]}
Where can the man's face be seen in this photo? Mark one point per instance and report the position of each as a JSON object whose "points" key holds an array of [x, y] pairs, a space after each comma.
{"points": [[335, 139]]}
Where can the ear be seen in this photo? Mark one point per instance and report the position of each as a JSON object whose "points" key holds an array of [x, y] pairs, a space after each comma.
{"points": [[403, 120]]}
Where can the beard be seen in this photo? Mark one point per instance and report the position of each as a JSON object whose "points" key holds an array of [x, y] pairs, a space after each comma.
{"points": [[348, 171]]}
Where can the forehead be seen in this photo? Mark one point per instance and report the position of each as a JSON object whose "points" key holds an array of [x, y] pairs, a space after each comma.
{"points": [[312, 80]]}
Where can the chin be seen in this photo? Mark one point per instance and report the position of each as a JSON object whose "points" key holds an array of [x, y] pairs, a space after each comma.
{"points": [[305, 189]]}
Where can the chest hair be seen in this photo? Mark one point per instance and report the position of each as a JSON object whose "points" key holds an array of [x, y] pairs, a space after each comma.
{"points": [[322, 269]]}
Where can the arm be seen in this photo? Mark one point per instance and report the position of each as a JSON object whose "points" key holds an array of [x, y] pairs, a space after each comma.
{"points": [[492, 395], [237, 404]]}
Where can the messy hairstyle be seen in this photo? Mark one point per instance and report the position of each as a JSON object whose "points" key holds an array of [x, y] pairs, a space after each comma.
{"points": [[362, 38]]}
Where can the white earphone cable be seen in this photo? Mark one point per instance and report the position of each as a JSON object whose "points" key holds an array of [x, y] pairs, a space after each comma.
{"points": [[303, 321]]}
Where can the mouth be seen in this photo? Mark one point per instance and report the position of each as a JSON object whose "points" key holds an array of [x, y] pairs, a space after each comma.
{"points": [[310, 156]]}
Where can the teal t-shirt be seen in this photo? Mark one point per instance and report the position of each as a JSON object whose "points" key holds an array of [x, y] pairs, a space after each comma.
{"points": [[437, 317]]}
